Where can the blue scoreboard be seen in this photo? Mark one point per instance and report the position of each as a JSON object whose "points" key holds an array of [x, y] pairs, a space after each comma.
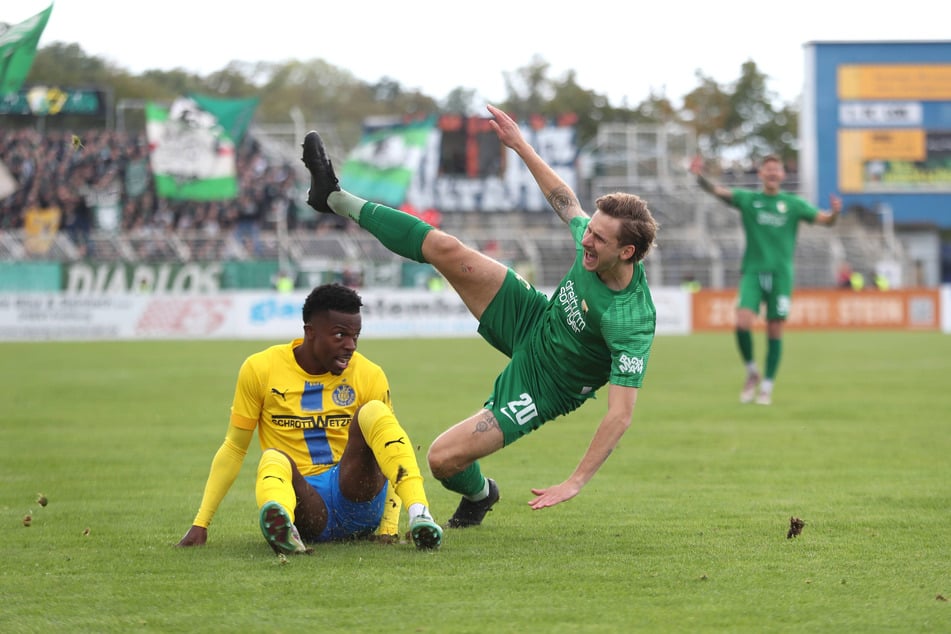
{"points": [[875, 127]]}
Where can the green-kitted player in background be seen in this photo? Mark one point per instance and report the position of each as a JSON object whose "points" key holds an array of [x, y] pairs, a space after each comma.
{"points": [[770, 219], [597, 327]]}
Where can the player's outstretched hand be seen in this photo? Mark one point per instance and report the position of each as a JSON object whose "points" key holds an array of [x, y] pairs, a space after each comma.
{"points": [[696, 165], [196, 536], [553, 495], [505, 127], [835, 204]]}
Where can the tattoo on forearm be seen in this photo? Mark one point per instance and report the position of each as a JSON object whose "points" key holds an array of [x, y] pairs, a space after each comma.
{"points": [[485, 422], [561, 199]]}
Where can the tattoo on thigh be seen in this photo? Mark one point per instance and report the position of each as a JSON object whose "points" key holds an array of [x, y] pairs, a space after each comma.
{"points": [[485, 422]]}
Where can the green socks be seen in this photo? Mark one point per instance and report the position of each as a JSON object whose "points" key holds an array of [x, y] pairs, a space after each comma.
{"points": [[345, 204], [468, 482], [774, 353], [401, 233], [744, 341]]}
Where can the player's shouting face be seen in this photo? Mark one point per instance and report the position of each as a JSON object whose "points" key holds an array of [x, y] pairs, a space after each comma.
{"points": [[602, 250], [772, 175]]}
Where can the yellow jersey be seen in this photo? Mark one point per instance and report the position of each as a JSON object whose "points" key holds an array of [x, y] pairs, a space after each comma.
{"points": [[307, 416]]}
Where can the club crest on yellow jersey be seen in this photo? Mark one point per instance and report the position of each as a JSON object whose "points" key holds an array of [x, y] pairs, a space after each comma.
{"points": [[343, 395]]}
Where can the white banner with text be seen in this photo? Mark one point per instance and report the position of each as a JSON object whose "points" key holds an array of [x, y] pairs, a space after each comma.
{"points": [[387, 313]]}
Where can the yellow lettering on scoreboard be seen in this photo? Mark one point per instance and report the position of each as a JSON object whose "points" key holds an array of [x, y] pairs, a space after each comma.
{"points": [[895, 81]]}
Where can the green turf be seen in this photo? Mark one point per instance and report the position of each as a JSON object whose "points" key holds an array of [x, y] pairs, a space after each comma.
{"points": [[683, 530]]}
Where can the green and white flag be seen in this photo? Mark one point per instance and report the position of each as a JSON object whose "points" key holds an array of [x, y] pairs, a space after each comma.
{"points": [[192, 156], [18, 44], [8, 184], [234, 115], [383, 164]]}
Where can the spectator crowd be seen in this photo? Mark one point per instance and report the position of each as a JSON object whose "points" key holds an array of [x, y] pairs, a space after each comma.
{"points": [[102, 180]]}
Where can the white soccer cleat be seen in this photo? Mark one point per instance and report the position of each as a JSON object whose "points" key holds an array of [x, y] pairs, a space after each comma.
{"points": [[748, 394]]}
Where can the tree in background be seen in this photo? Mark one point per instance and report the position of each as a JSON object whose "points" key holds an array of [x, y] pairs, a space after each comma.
{"points": [[741, 119], [738, 118]]}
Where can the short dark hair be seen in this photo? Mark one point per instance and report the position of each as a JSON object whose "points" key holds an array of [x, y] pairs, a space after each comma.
{"points": [[336, 297]]}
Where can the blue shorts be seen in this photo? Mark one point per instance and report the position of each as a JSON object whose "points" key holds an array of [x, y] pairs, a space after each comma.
{"points": [[345, 519]]}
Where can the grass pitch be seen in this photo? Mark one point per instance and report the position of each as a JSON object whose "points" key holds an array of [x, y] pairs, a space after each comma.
{"points": [[683, 530]]}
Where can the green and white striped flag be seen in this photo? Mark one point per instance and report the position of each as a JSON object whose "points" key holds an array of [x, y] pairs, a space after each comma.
{"points": [[18, 44], [192, 156], [383, 164]]}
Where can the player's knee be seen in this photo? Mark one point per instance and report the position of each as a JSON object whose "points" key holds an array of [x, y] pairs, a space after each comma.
{"points": [[369, 414], [272, 456], [440, 246], [440, 460]]}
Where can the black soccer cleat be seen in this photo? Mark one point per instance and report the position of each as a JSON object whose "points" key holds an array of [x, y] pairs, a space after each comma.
{"points": [[322, 177], [470, 513]]}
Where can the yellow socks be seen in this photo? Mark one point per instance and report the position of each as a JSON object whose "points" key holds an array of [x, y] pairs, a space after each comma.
{"points": [[274, 481], [394, 452], [390, 523]]}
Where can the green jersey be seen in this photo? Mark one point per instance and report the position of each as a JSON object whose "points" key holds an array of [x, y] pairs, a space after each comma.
{"points": [[595, 335], [771, 224], [565, 347]]}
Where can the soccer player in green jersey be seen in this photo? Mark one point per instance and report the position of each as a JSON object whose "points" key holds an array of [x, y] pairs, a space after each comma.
{"points": [[597, 328], [771, 220], [333, 452]]}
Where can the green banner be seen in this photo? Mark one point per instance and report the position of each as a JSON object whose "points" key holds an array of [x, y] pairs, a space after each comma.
{"points": [[53, 100], [234, 115], [192, 155], [18, 48], [37, 277], [383, 164]]}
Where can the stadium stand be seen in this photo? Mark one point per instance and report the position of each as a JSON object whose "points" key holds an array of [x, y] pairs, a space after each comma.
{"points": [[109, 212]]}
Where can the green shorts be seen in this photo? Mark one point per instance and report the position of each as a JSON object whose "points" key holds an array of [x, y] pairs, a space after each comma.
{"points": [[773, 289], [524, 397]]}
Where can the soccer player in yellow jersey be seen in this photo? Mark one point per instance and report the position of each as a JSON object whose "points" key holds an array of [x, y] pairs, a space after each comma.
{"points": [[332, 446]]}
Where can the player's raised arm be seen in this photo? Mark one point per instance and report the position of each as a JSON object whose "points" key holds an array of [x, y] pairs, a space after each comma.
{"points": [[828, 217], [559, 195], [721, 192]]}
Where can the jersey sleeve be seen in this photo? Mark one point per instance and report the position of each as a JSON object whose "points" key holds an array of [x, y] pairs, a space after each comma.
{"points": [[629, 356], [248, 396], [628, 332], [740, 198], [805, 210], [378, 386]]}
